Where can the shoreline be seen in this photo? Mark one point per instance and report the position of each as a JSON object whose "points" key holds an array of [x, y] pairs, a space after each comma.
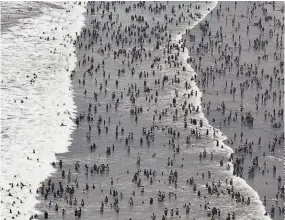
{"points": [[37, 100], [77, 150], [209, 91]]}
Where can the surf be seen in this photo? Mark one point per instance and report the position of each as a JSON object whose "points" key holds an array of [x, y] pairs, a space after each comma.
{"points": [[36, 97], [256, 207]]}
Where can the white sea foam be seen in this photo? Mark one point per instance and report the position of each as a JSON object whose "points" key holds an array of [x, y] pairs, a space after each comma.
{"points": [[35, 123], [274, 158]]}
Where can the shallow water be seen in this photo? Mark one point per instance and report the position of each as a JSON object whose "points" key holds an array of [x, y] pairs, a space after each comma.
{"points": [[120, 161], [265, 185]]}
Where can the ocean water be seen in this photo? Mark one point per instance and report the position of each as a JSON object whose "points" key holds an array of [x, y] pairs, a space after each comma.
{"points": [[35, 123], [256, 210], [121, 160], [36, 95]]}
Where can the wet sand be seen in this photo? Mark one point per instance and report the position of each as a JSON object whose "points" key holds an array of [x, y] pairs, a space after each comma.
{"points": [[153, 108], [218, 90]]}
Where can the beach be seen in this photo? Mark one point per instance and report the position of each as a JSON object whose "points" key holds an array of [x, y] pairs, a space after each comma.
{"points": [[116, 140], [167, 118]]}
